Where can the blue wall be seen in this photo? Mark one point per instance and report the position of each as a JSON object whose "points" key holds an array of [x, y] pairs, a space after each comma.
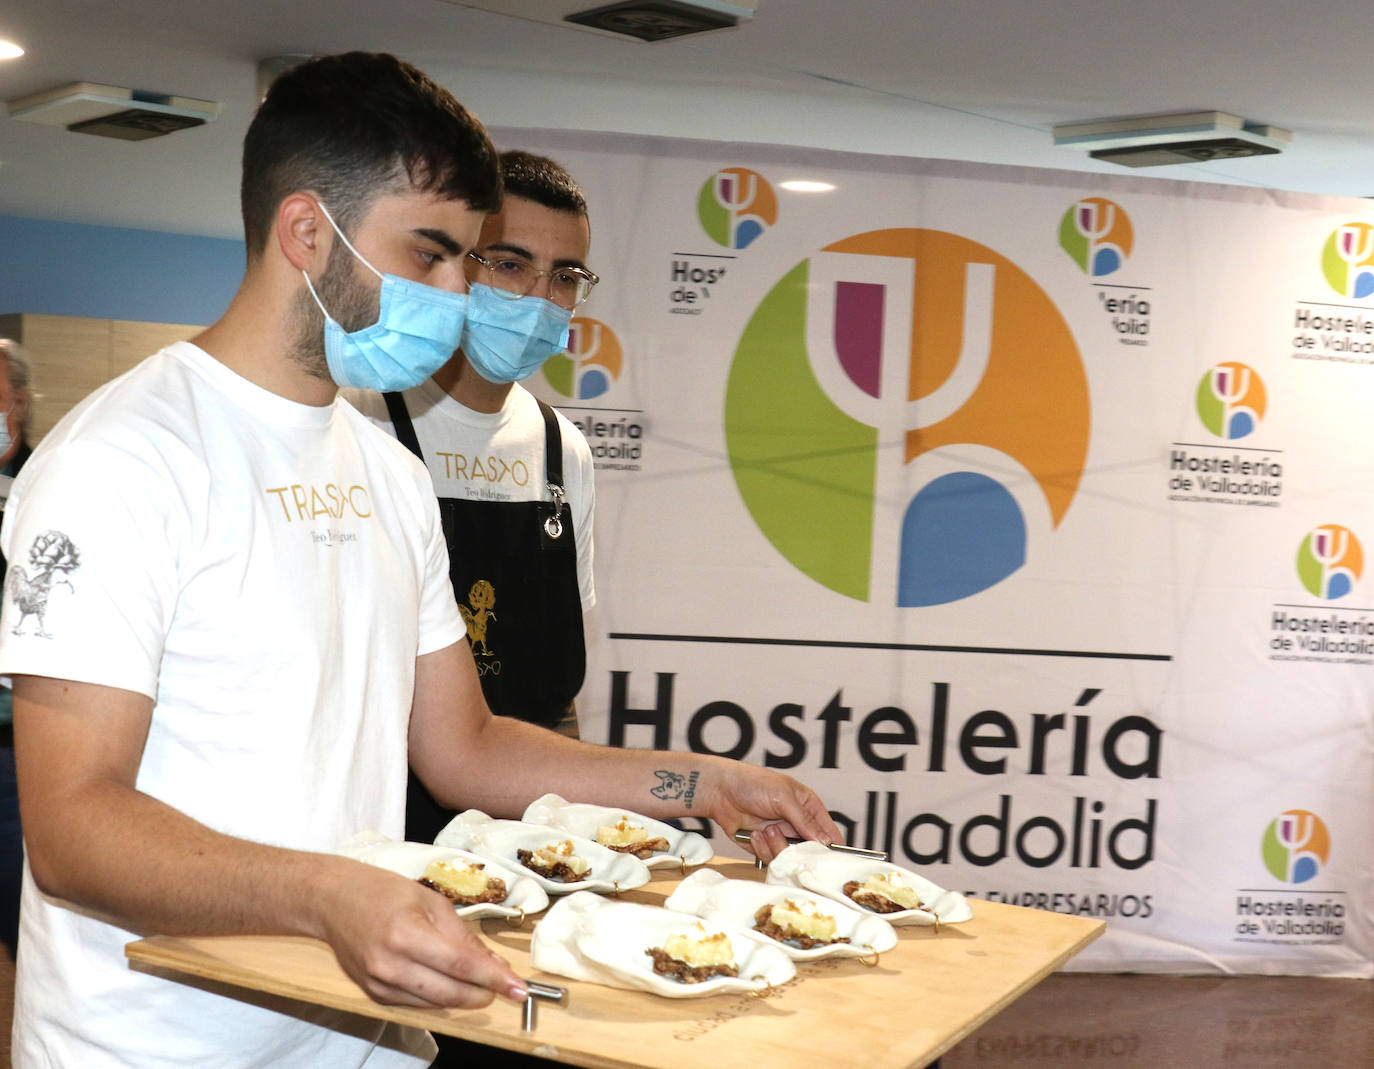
{"points": [[53, 268]]}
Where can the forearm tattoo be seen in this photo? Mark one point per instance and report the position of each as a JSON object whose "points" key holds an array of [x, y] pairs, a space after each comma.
{"points": [[673, 786]]}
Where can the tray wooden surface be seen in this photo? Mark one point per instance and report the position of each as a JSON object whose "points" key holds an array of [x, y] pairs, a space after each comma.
{"points": [[922, 997]]}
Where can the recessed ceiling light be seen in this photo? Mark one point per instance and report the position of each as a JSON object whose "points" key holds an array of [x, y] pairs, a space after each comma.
{"points": [[798, 185], [9, 50]]}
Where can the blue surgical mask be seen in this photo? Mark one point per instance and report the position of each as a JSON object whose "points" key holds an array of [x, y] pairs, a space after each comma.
{"points": [[508, 340], [418, 328]]}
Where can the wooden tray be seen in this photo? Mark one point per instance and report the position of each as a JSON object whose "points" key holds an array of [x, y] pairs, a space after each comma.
{"points": [[925, 995]]}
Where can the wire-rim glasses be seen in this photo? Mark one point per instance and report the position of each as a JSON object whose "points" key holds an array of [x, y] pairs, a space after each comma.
{"points": [[515, 278]]}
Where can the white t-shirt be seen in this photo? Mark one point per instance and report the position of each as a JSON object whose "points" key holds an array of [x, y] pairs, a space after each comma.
{"points": [[267, 572], [496, 456]]}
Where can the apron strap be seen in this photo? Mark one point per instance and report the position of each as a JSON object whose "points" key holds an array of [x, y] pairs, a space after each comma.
{"points": [[553, 470], [400, 419], [553, 446]]}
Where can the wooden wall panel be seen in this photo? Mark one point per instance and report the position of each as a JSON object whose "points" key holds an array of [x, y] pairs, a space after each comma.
{"points": [[72, 356], [131, 341]]}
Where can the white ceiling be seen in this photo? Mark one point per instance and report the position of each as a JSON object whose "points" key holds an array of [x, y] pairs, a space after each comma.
{"points": [[975, 79]]}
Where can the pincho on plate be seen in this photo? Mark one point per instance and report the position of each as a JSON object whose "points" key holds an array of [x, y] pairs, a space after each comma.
{"points": [[560, 862], [896, 894], [652, 841], [805, 924], [477, 886], [649, 948]]}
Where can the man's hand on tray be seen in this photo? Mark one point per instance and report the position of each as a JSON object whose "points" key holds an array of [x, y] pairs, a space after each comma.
{"points": [[403, 945], [774, 805]]}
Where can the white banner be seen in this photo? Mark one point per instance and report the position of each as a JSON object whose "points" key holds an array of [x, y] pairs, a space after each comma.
{"points": [[1019, 512]]}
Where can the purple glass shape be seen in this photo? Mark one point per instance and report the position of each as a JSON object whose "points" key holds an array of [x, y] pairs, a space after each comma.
{"points": [[859, 333]]}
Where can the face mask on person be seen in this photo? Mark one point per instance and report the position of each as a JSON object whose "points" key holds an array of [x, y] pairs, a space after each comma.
{"points": [[508, 340], [418, 328]]}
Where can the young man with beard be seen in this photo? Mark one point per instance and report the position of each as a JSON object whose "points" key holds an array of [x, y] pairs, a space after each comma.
{"points": [[236, 624]]}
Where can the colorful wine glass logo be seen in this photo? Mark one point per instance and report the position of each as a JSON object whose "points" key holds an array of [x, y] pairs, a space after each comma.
{"points": [[884, 427], [735, 206], [1348, 259], [1097, 235], [590, 365], [1296, 845], [1330, 560], [1231, 399]]}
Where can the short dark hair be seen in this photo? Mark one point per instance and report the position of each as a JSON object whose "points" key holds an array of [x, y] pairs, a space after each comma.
{"points": [[352, 126], [541, 180]]}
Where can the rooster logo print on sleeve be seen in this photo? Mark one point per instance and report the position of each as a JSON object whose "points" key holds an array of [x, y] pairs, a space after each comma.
{"points": [[51, 558]]}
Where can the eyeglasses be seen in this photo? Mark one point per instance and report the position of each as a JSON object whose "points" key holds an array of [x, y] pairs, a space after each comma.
{"points": [[568, 286]]}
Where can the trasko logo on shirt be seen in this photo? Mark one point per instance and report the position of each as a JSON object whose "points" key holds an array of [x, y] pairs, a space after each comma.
{"points": [[51, 557], [478, 615], [309, 502]]}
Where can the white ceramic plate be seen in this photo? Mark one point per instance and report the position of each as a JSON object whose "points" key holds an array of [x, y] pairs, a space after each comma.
{"points": [[581, 818], [733, 903], [817, 868], [500, 841], [587, 937], [523, 893]]}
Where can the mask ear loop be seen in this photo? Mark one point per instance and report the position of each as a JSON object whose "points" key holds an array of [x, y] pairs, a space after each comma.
{"points": [[319, 303], [311, 286], [344, 238]]}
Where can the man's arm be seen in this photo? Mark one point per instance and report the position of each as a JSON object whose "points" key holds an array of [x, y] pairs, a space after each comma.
{"points": [[95, 840], [471, 759]]}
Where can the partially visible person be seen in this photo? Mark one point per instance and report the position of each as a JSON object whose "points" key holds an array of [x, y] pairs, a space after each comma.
{"points": [[514, 477], [15, 413]]}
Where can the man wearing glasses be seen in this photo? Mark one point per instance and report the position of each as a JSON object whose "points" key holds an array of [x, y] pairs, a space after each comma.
{"points": [[513, 477]]}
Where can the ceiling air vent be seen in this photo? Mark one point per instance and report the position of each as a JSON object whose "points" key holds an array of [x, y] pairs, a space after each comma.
{"points": [[642, 20], [654, 20], [1218, 148], [135, 125], [113, 111], [1160, 140]]}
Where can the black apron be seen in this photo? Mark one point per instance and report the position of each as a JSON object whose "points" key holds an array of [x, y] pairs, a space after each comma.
{"points": [[513, 565]]}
